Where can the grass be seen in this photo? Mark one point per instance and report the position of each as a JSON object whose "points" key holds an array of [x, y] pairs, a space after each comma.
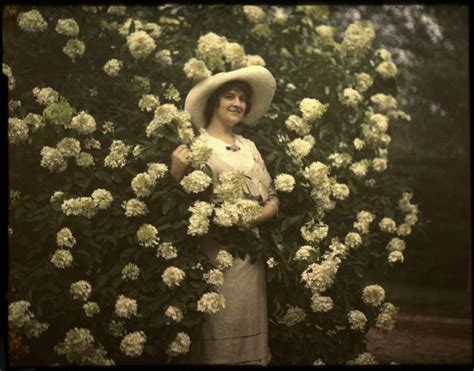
{"points": [[429, 300]]}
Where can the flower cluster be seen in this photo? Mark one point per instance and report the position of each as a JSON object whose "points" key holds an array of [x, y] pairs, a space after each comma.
{"points": [[255, 14], [364, 218], [293, 316], [386, 319], [17, 130], [140, 44], [237, 212], [363, 359], [321, 303], [167, 251], [350, 97], [45, 96], [319, 277], [133, 344], [304, 252], [113, 67], [180, 345], [117, 157], [148, 102], [32, 21], [68, 27], [200, 153], [62, 258], [125, 307], [147, 235], [144, 183], [214, 277], [64, 238], [7, 71], [199, 220], [229, 187], [314, 232], [363, 81], [373, 295], [224, 259], [195, 182], [387, 225], [357, 320], [78, 347], [20, 318], [300, 147], [91, 308], [74, 48], [284, 182], [357, 40], [174, 313], [172, 276], [80, 290], [134, 207], [211, 302], [131, 272]]}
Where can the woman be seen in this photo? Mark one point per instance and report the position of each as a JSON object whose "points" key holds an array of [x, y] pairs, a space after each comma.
{"points": [[237, 334]]}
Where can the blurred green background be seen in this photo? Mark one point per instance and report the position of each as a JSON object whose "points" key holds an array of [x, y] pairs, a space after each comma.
{"points": [[432, 152]]}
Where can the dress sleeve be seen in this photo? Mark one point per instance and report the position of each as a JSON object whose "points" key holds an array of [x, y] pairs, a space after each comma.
{"points": [[267, 179]]}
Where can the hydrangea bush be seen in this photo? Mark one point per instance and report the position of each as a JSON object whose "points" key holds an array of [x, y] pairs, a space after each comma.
{"points": [[96, 96]]}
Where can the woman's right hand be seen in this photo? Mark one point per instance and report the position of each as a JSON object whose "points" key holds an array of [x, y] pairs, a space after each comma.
{"points": [[180, 160]]}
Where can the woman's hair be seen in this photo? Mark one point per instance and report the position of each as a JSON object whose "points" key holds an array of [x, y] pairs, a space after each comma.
{"points": [[213, 99]]}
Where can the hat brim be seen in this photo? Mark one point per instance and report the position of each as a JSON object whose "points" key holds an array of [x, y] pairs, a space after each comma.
{"points": [[260, 80]]}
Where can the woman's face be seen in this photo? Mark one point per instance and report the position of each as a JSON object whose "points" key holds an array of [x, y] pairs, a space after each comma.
{"points": [[231, 107]]}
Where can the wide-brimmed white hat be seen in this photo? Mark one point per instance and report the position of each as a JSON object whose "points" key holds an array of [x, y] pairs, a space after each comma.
{"points": [[260, 80]]}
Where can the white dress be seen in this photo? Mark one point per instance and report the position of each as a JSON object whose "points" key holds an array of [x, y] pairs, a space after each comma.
{"points": [[238, 334]]}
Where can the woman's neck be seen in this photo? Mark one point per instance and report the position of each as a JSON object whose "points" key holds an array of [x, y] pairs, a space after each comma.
{"points": [[222, 132]]}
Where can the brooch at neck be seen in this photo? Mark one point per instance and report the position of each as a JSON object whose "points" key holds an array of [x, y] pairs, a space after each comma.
{"points": [[233, 148]]}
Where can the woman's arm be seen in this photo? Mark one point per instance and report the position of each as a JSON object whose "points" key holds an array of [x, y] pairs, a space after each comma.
{"points": [[180, 160], [268, 212]]}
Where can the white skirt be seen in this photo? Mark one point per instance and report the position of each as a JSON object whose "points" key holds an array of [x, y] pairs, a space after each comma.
{"points": [[238, 334]]}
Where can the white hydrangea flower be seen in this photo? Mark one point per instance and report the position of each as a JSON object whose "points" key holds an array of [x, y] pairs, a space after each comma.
{"points": [[340, 159], [379, 164], [340, 191], [32, 21], [319, 277], [373, 295], [214, 277], [234, 54], [134, 207], [383, 102], [357, 320], [195, 182], [319, 362], [113, 67], [17, 130], [387, 69], [357, 40], [53, 160], [167, 251], [143, 184], [91, 308], [74, 48], [147, 235], [351, 97], [164, 57], [411, 219], [385, 322], [326, 33], [83, 123], [69, 147], [304, 252], [224, 259], [312, 109], [68, 27], [255, 14], [19, 314], [314, 232], [84, 206], [174, 313], [395, 256], [200, 153], [140, 44], [116, 9], [211, 302], [363, 81], [199, 220], [321, 303], [180, 345], [45, 96], [125, 307], [196, 70], [211, 50], [363, 359], [300, 147], [359, 144], [64, 238], [229, 187], [80, 290], [102, 198], [133, 344], [364, 218], [293, 316], [359, 168], [272, 263], [84, 159], [7, 71], [284, 182], [91, 143], [125, 28], [403, 230], [353, 240], [62, 258], [172, 276], [254, 60], [148, 103], [131, 272], [396, 244], [153, 29], [388, 225]]}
